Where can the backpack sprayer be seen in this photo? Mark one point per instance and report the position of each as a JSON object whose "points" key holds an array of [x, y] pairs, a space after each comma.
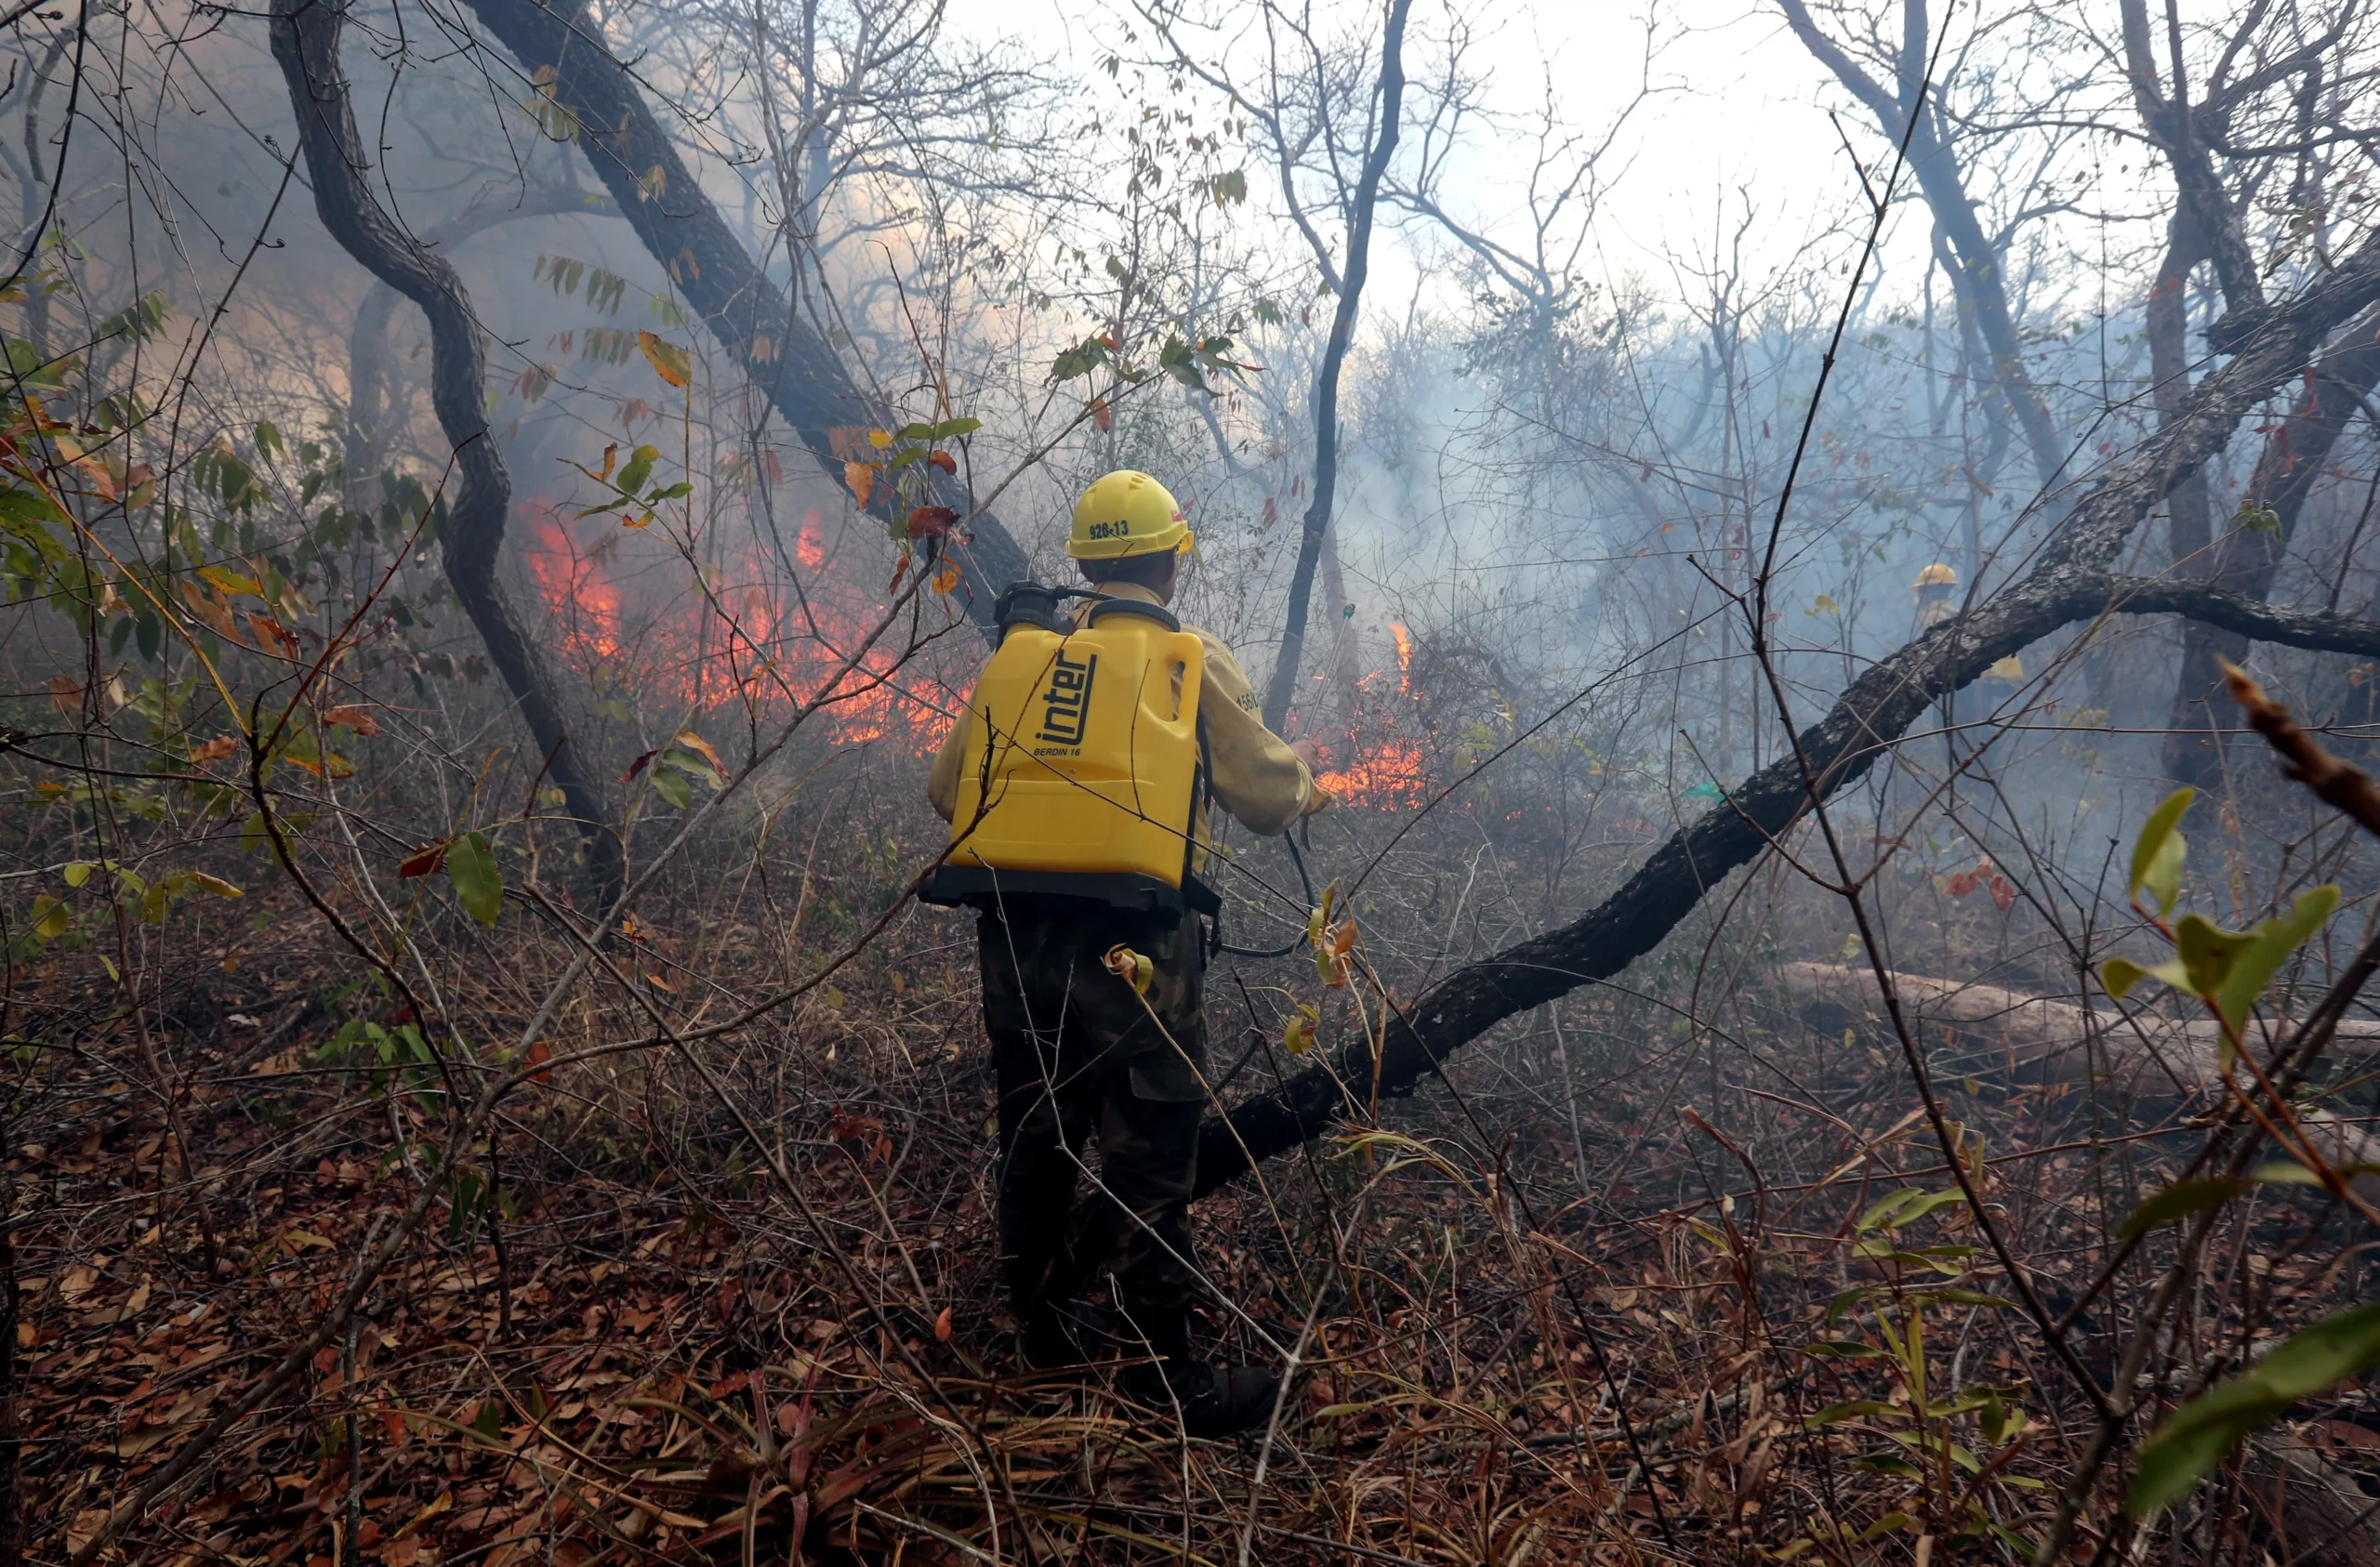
{"points": [[1085, 772]]}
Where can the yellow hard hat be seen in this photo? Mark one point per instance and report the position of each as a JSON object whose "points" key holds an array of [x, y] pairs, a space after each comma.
{"points": [[1126, 513], [1937, 575]]}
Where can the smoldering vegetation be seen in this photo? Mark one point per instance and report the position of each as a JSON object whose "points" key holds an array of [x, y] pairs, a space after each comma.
{"points": [[500, 505]]}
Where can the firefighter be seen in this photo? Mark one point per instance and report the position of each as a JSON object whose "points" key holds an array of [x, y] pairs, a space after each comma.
{"points": [[1080, 1057], [1936, 587]]}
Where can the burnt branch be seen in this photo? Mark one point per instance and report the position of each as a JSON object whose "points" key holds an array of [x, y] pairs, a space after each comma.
{"points": [[2339, 784]]}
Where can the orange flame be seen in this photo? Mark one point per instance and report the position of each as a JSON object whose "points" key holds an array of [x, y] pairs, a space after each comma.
{"points": [[730, 640], [1386, 769], [1387, 775]]}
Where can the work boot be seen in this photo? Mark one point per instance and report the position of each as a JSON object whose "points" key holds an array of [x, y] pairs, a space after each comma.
{"points": [[1215, 1401], [1053, 1338]]}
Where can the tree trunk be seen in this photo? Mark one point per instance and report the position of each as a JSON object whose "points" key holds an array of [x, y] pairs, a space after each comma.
{"points": [[804, 380], [2188, 527], [1334, 359], [305, 41], [2250, 555], [2070, 582]]}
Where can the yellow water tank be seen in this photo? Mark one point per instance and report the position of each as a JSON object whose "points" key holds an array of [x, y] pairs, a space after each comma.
{"points": [[1082, 765]]}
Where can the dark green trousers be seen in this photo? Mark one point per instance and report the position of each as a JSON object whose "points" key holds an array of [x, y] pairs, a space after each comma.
{"points": [[1083, 1064]]}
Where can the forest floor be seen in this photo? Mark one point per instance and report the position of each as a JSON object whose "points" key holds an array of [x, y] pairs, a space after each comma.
{"points": [[645, 1350]]}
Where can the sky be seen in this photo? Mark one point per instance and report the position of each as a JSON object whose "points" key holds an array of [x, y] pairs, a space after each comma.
{"points": [[1742, 116]]}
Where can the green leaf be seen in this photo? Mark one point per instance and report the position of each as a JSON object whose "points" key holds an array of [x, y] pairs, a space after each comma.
{"points": [[2205, 951], [2157, 856], [2255, 963], [2284, 1171], [2120, 975], [2177, 1202], [1886, 1525], [638, 468], [1843, 1350], [470, 866], [51, 916], [1835, 1412], [952, 427], [1080, 359], [2200, 1433], [1959, 1297], [77, 872], [1905, 1206], [672, 784]]}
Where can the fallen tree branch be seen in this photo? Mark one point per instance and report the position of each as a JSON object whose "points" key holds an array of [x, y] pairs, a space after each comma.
{"points": [[2070, 583], [1996, 1032]]}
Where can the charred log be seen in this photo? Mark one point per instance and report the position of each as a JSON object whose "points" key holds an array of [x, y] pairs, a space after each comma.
{"points": [[305, 41], [2071, 581]]}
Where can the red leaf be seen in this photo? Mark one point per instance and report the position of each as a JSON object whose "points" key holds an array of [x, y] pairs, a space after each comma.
{"points": [[425, 859], [942, 1327], [944, 461], [539, 1054], [932, 523], [1103, 418], [272, 635], [638, 766]]}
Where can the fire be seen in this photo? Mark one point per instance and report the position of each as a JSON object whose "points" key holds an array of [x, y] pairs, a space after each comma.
{"points": [[1386, 769], [1386, 775], [584, 604], [737, 639]]}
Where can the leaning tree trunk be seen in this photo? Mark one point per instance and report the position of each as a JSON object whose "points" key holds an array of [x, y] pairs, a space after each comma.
{"points": [[305, 40], [2250, 556], [804, 379], [2070, 581]]}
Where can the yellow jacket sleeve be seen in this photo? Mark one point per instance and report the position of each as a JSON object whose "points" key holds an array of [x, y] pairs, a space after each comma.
{"points": [[1257, 777]]}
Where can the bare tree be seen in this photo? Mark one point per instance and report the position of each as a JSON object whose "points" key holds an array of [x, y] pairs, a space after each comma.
{"points": [[1978, 261], [1320, 123]]}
